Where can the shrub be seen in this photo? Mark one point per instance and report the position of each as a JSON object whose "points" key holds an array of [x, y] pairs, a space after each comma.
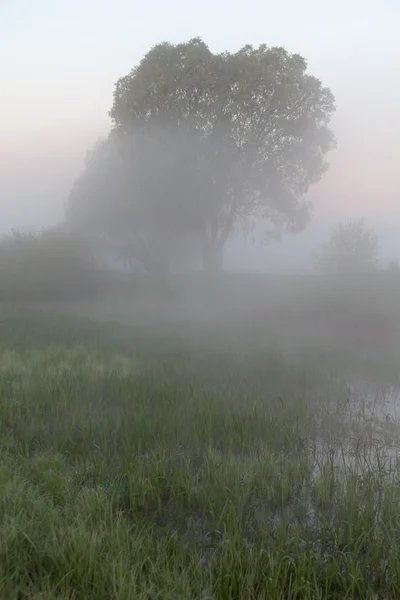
{"points": [[351, 249], [51, 265]]}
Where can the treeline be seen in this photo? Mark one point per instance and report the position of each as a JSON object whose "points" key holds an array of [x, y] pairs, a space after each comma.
{"points": [[52, 265], [202, 146]]}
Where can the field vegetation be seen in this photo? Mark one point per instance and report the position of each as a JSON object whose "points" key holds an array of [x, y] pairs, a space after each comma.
{"points": [[190, 437]]}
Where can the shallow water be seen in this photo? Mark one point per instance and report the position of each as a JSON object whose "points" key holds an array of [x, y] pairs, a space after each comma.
{"points": [[363, 429]]}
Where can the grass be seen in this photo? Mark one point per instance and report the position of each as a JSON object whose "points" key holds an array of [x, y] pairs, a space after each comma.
{"points": [[166, 462]]}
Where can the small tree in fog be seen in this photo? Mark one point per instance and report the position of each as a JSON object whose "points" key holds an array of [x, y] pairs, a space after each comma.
{"points": [[209, 143], [351, 249], [394, 266]]}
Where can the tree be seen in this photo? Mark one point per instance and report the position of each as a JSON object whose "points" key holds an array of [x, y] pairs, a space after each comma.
{"points": [[394, 266], [351, 249], [135, 197], [255, 128]]}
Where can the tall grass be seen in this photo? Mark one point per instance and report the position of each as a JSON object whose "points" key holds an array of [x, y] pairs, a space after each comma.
{"points": [[132, 468]]}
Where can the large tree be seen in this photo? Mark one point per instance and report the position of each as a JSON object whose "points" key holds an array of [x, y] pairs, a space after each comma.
{"points": [[136, 197], [249, 132]]}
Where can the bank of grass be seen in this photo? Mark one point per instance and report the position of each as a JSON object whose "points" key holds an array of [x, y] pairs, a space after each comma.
{"points": [[159, 466]]}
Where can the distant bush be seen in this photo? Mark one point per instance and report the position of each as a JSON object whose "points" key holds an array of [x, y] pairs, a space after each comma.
{"points": [[53, 265], [394, 266], [351, 249]]}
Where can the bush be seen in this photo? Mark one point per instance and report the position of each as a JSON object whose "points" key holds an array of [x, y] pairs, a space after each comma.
{"points": [[394, 266], [351, 249], [53, 265]]}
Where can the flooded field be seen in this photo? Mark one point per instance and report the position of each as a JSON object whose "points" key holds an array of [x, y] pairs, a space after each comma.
{"points": [[197, 452]]}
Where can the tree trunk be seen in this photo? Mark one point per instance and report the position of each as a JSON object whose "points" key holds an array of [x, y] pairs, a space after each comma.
{"points": [[154, 265], [149, 262]]}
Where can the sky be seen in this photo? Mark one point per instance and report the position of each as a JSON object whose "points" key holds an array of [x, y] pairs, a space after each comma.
{"points": [[60, 59]]}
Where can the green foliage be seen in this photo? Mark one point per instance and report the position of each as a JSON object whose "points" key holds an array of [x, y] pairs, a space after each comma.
{"points": [[51, 265], [138, 199], [351, 249], [205, 143], [170, 471]]}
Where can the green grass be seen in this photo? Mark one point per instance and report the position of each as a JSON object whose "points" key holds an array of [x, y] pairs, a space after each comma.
{"points": [[166, 462]]}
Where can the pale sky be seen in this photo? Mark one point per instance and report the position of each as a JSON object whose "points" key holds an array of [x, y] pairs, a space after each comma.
{"points": [[60, 59]]}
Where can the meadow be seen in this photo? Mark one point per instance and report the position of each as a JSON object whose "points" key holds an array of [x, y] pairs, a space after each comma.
{"points": [[186, 438]]}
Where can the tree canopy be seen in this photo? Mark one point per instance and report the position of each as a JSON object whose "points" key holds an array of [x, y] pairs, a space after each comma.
{"points": [[204, 144]]}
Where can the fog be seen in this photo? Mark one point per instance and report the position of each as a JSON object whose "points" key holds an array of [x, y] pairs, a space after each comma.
{"points": [[187, 411], [60, 64]]}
